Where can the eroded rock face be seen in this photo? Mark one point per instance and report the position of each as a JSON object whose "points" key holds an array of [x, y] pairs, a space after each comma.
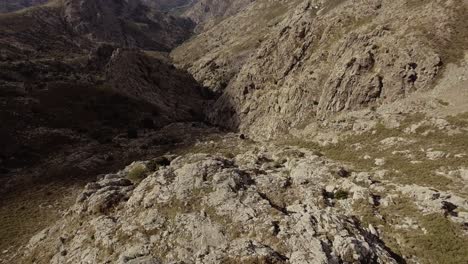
{"points": [[326, 57], [209, 209], [216, 55]]}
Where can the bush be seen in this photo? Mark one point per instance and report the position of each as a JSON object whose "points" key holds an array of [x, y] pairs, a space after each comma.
{"points": [[137, 173]]}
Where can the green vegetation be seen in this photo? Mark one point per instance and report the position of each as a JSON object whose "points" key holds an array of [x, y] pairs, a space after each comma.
{"points": [[137, 173], [442, 102]]}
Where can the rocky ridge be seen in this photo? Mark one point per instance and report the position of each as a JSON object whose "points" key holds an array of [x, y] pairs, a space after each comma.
{"points": [[280, 204]]}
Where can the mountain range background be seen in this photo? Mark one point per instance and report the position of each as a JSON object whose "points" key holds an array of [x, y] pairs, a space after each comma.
{"points": [[255, 126]]}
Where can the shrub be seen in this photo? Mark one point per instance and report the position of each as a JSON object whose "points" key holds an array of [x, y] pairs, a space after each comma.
{"points": [[137, 173]]}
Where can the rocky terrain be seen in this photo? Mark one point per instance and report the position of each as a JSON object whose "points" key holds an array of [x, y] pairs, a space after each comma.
{"points": [[259, 131], [73, 107], [314, 53], [255, 207]]}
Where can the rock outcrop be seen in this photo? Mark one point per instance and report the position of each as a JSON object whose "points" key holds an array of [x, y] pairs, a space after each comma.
{"points": [[209, 209]]}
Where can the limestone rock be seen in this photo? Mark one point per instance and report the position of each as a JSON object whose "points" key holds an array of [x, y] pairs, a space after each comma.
{"points": [[206, 209]]}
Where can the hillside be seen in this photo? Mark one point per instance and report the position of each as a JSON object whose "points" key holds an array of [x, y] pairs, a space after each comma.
{"points": [[63, 27], [73, 107]]}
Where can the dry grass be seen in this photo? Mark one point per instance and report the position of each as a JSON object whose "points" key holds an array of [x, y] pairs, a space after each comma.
{"points": [[443, 242], [401, 168]]}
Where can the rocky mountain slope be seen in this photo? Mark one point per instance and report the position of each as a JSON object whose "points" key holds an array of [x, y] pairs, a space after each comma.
{"points": [[55, 69], [70, 101], [63, 27], [216, 55], [322, 57]]}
